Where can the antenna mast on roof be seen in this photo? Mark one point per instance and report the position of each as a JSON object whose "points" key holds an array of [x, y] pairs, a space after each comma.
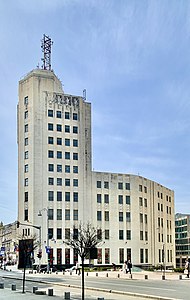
{"points": [[46, 49]]}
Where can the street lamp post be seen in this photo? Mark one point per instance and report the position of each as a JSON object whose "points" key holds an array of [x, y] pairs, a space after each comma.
{"points": [[47, 242], [164, 264]]}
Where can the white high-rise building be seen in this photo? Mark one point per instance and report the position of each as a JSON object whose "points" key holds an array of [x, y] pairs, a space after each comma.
{"points": [[55, 177]]}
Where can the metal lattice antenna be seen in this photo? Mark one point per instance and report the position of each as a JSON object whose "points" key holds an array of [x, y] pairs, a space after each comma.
{"points": [[46, 49]]}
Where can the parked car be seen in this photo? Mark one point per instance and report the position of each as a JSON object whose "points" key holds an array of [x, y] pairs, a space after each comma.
{"points": [[70, 270]]}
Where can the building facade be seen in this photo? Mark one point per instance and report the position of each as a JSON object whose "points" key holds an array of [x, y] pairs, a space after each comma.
{"points": [[182, 239], [57, 188]]}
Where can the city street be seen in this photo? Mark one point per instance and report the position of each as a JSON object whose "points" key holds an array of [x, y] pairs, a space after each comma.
{"points": [[171, 288]]}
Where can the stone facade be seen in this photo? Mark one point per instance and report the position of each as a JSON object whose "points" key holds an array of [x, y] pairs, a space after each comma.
{"points": [[135, 215]]}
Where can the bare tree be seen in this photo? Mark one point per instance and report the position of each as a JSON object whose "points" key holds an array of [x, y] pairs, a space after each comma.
{"points": [[84, 240]]}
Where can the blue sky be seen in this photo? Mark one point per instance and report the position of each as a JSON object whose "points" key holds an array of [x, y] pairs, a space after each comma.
{"points": [[133, 58]]}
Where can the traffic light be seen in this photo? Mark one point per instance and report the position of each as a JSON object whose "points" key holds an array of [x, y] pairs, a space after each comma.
{"points": [[17, 224]]}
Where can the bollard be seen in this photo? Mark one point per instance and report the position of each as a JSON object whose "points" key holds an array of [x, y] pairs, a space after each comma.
{"points": [[1, 285], [96, 274], [106, 274], [13, 287], [71, 273], [35, 288], [145, 276], [180, 277], [163, 277], [40, 292], [100, 299], [87, 274], [50, 292], [63, 273], [67, 295], [118, 275]]}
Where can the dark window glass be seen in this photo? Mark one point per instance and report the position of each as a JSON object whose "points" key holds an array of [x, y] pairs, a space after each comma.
{"points": [[50, 113], [50, 167], [75, 197], [75, 169], [67, 196], [50, 140], [75, 116], [59, 154], [50, 154], [75, 129], [67, 155], [67, 169], [50, 195], [67, 142], [59, 196], [50, 126], [67, 115], [67, 128], [59, 141], [75, 156], [59, 127], [75, 143], [58, 114]]}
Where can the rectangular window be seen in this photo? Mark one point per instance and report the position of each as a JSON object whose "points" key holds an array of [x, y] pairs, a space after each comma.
{"points": [[50, 126], [99, 215], [75, 116], [67, 256], [26, 168], [146, 256], [107, 255], [99, 234], [51, 167], [26, 197], [106, 214], [127, 186], [67, 196], [145, 202], [140, 201], [145, 189], [99, 198], [51, 181], [59, 127], [67, 155], [59, 141], [67, 182], [141, 256], [58, 114], [50, 140], [26, 115], [75, 197], [67, 128], [50, 233], [121, 237], [26, 141], [99, 261], [59, 181], [75, 182], [128, 235], [26, 100], [59, 196], [75, 169], [120, 216], [121, 255], [75, 233], [146, 235], [50, 154], [128, 216], [98, 184], [50, 214], [141, 218], [75, 156], [59, 233], [107, 234], [26, 215], [59, 168], [106, 198], [75, 143], [106, 184], [67, 142], [67, 214], [67, 169], [59, 154], [26, 155], [50, 113], [67, 115], [26, 182], [120, 199], [140, 187], [75, 214], [59, 256], [26, 128], [120, 185], [50, 195], [145, 218], [75, 129], [128, 200], [67, 233], [141, 235], [59, 214]]}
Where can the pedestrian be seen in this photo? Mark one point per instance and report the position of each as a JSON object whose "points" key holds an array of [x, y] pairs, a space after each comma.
{"points": [[124, 267], [129, 266], [78, 268], [187, 267], [114, 266]]}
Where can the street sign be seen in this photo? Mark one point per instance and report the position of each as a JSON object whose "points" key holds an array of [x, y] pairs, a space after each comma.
{"points": [[2, 248], [47, 249]]}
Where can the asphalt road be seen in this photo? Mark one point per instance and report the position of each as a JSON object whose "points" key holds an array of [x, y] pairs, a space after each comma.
{"points": [[177, 289]]}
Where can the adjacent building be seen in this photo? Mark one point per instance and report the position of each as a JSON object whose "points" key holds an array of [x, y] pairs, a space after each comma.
{"points": [[57, 188], [182, 238]]}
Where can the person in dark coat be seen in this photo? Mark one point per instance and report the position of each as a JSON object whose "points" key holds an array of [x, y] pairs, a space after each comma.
{"points": [[129, 266]]}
